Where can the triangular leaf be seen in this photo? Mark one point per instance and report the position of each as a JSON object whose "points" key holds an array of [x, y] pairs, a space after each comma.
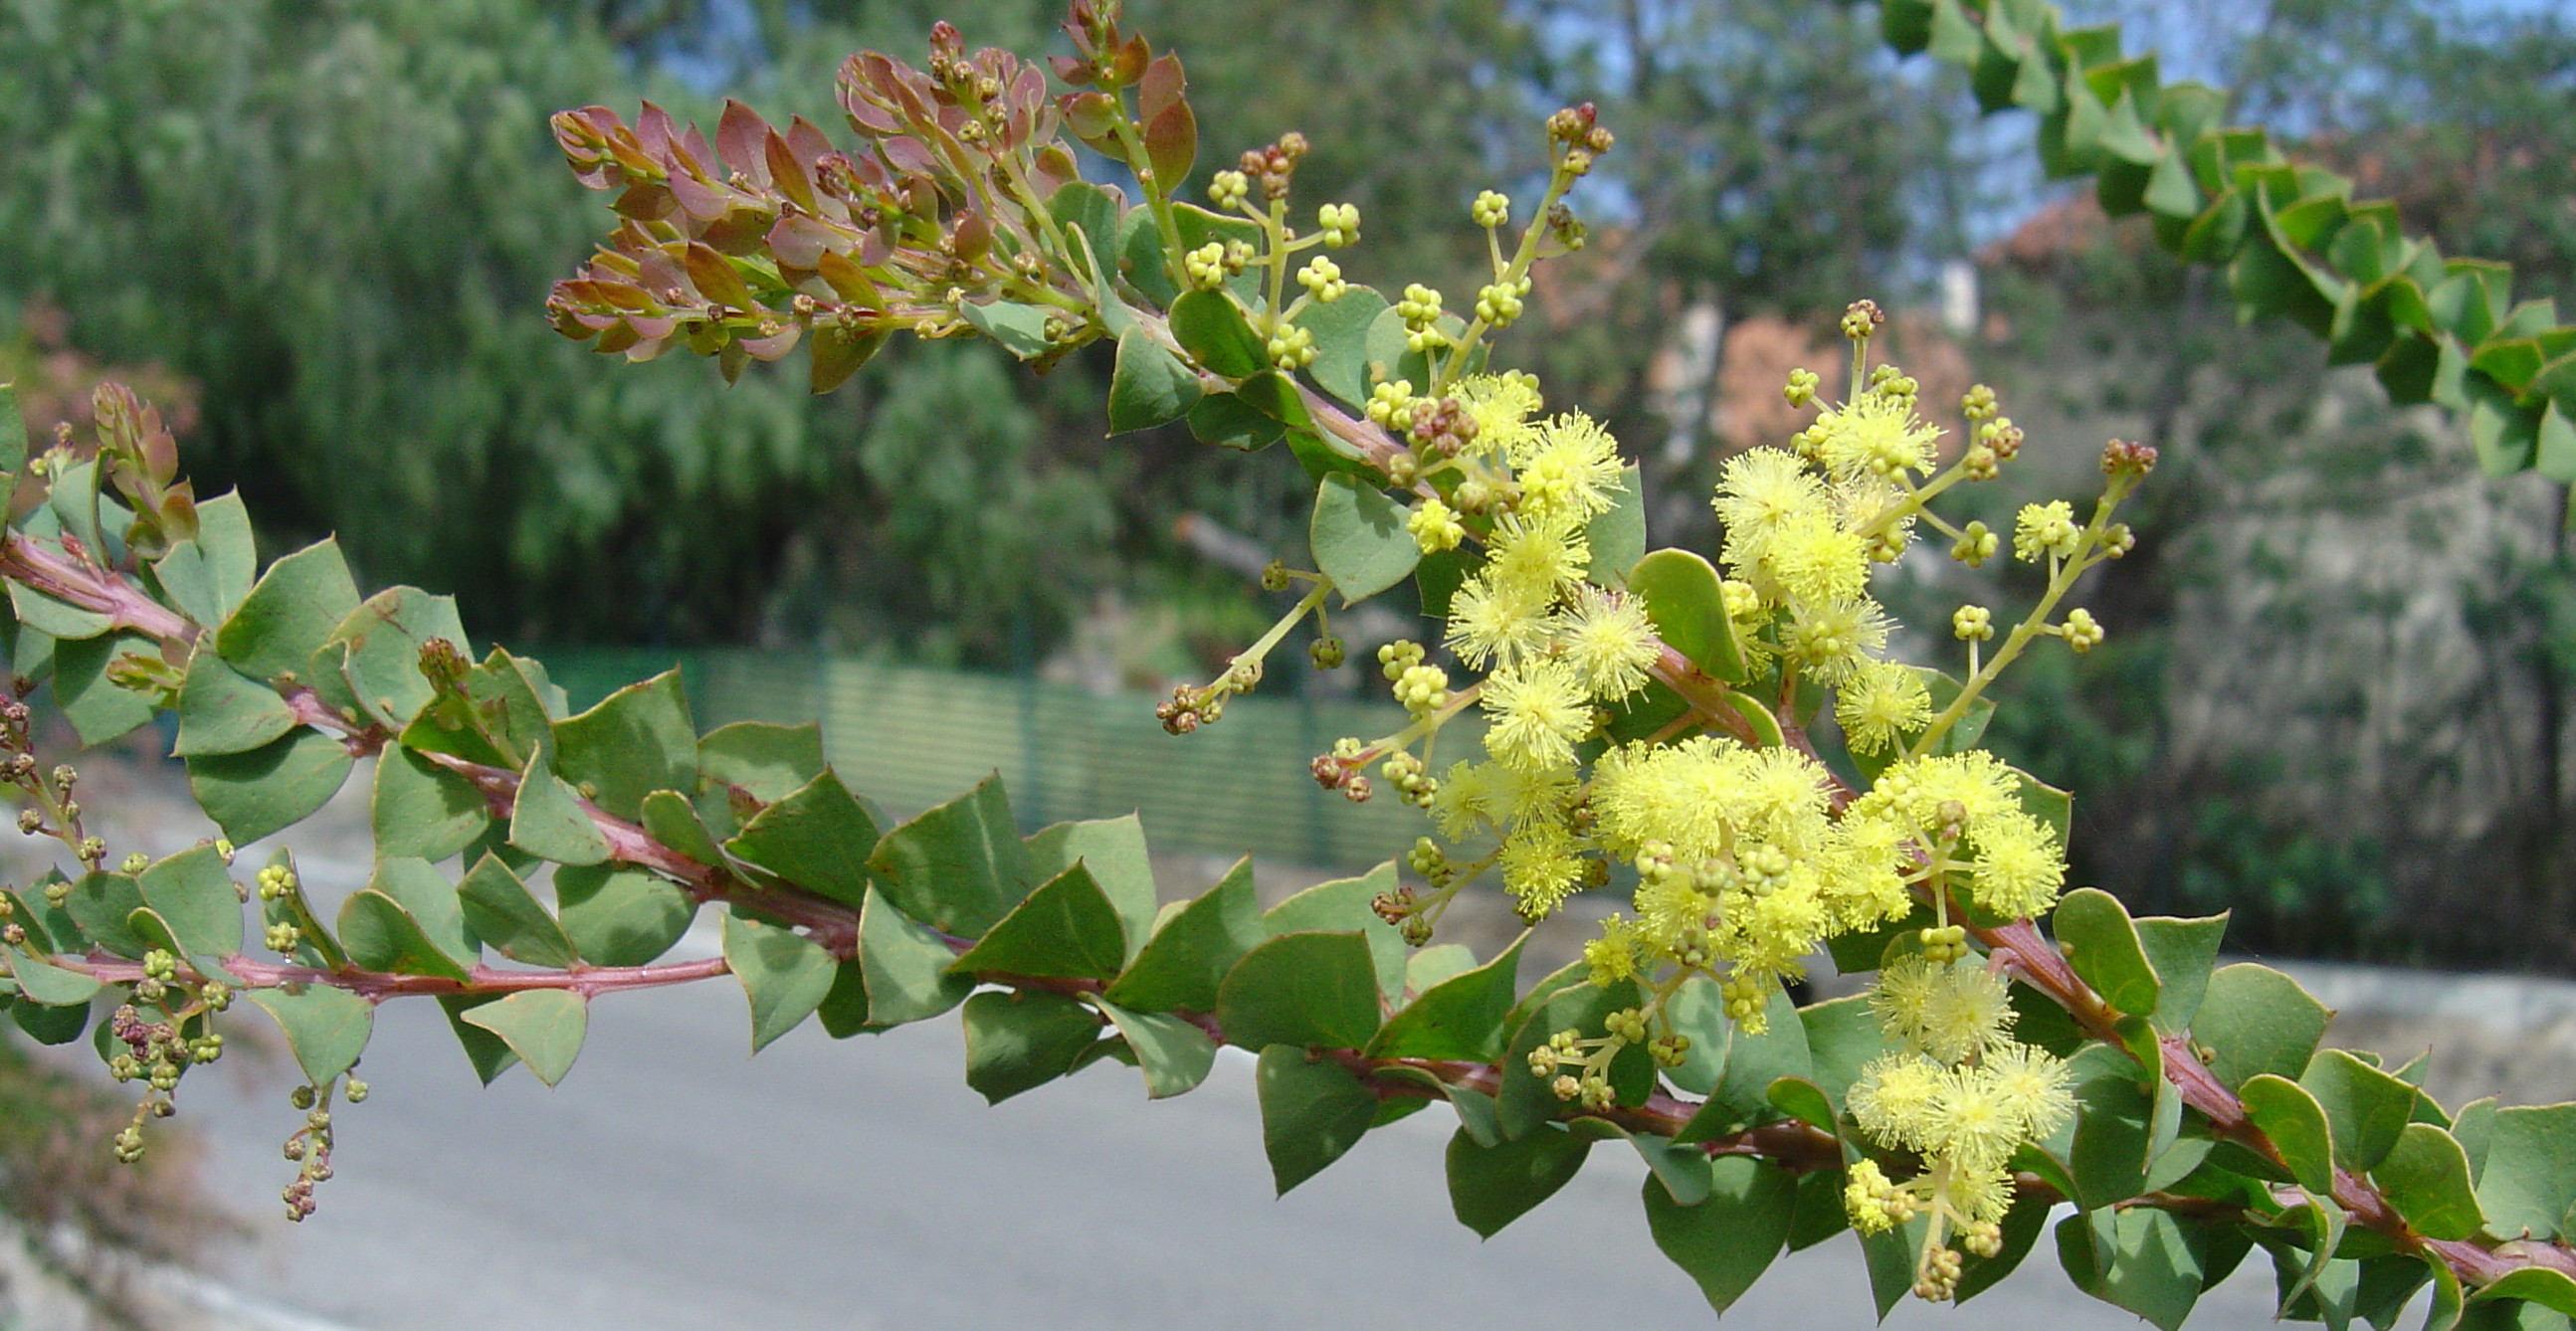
{"points": [[783, 974], [544, 1027]]}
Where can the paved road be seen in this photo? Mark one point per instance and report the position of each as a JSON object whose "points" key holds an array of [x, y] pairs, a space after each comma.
{"points": [[671, 1182]]}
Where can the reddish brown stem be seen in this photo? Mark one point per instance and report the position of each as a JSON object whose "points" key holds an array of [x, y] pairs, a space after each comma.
{"points": [[50, 570], [2043, 967]]}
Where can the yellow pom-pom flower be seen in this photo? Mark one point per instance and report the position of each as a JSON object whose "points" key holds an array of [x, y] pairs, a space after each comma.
{"points": [[2033, 1085], [1759, 490], [1569, 466], [1878, 435], [1493, 625], [1540, 868], [1538, 711], [2019, 867], [1881, 701], [1537, 557], [1831, 640], [1500, 405], [1949, 1012], [2043, 530], [1609, 641]]}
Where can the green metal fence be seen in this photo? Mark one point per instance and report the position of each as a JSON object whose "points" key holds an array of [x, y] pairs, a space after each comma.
{"points": [[910, 738]]}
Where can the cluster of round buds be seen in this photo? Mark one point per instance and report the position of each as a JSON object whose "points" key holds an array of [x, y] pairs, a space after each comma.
{"points": [[1340, 770], [1185, 711], [1944, 943], [1745, 999], [159, 967], [1326, 652], [1499, 303], [1340, 223], [1229, 188], [275, 882], [283, 938], [1587, 1085], [2081, 631], [1978, 404], [1420, 311], [1391, 404], [1982, 1238], [1322, 279], [311, 1145], [1801, 388], [1206, 266], [1887, 381], [1586, 1088], [1977, 543], [1444, 427], [2000, 436], [1429, 860], [1422, 689], [1669, 1051], [1291, 347], [1564, 227], [1579, 131], [2122, 458], [1972, 623], [1862, 318], [1274, 165], [92, 850], [2118, 540], [1491, 209], [1936, 1278], [1875, 1204], [135, 862], [1406, 773], [154, 1049], [30, 822], [1394, 906]]}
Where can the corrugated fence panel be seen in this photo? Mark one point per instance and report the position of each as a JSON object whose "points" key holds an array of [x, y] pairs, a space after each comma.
{"points": [[912, 737]]}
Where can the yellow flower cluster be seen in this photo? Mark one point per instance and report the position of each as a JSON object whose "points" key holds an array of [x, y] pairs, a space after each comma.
{"points": [[1961, 815], [1740, 866], [1957, 1090], [1748, 858], [1553, 645]]}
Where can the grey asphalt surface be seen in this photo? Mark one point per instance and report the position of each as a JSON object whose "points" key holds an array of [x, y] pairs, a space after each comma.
{"points": [[673, 1182]]}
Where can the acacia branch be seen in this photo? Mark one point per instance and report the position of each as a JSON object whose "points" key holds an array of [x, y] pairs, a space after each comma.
{"points": [[2040, 965]]}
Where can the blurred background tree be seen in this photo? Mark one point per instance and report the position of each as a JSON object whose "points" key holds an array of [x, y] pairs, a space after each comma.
{"points": [[2336, 695]]}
